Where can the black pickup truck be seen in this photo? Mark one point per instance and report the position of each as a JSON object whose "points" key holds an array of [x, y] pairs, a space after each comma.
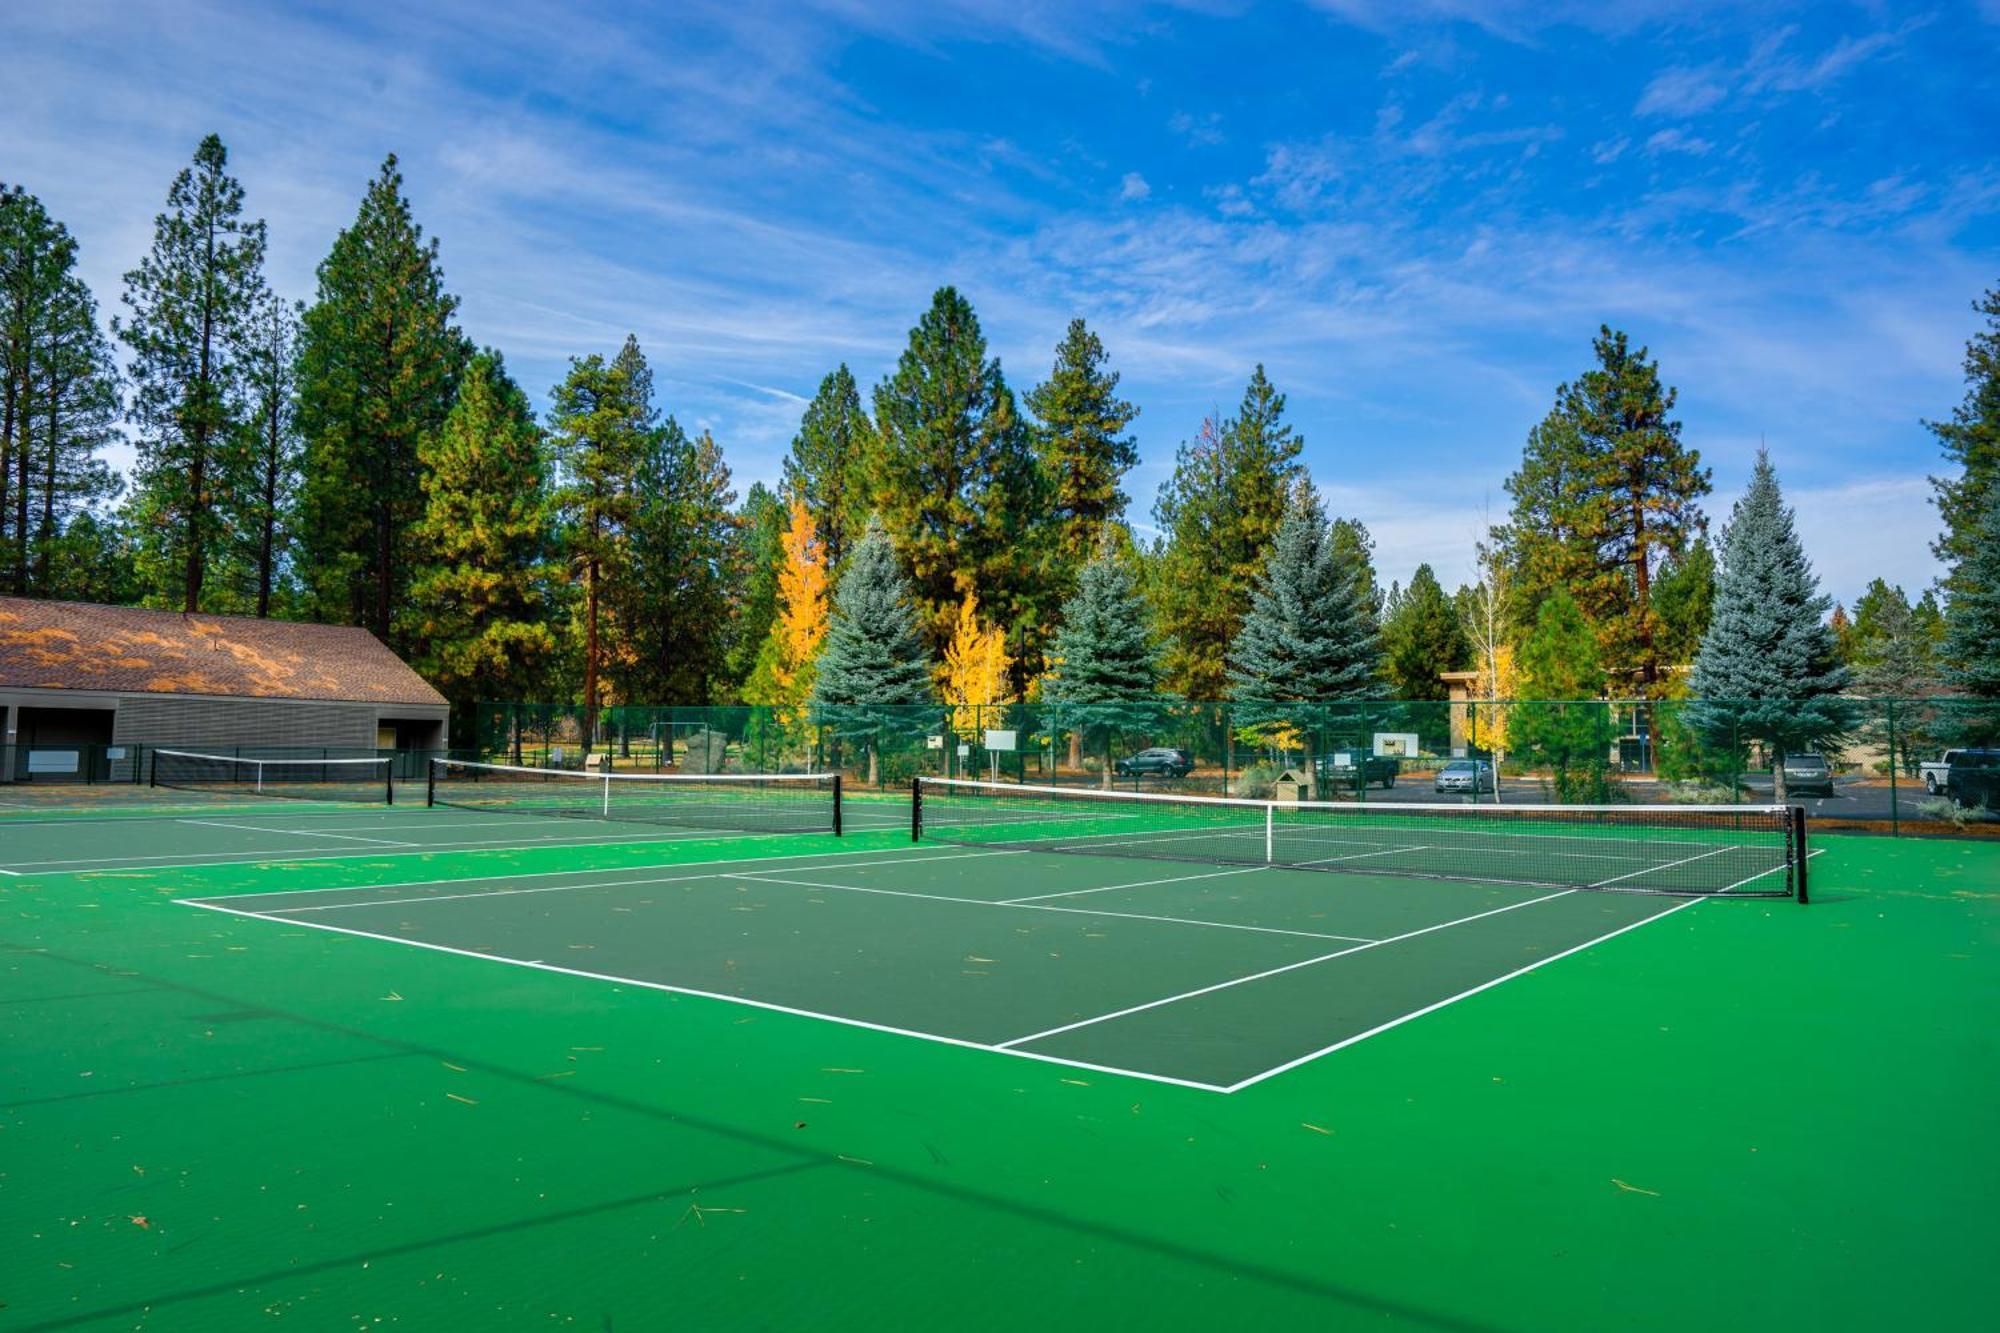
{"points": [[1974, 778]]}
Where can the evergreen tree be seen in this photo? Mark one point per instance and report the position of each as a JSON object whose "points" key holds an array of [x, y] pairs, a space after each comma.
{"points": [[1893, 654], [1971, 441], [758, 559], [1103, 662], [1310, 635], [602, 433], [1605, 492], [1558, 720], [832, 463], [960, 490], [676, 610], [271, 447], [1768, 670], [191, 300], [1971, 648], [1423, 638], [874, 668], [94, 561], [1220, 512], [1085, 450], [379, 364], [1684, 599], [482, 597]]}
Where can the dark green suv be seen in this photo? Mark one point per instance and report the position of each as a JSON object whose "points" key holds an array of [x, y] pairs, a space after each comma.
{"points": [[1974, 778]]}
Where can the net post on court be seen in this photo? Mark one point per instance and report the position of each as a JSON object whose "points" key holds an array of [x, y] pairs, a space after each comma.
{"points": [[1679, 850]]}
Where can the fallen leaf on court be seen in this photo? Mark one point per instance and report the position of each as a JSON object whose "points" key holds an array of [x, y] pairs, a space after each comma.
{"points": [[456, 1069], [1317, 1129], [1076, 1082], [858, 1161], [566, 1073], [392, 996], [975, 958], [467, 1100], [1633, 1189], [831, 1070], [142, 1222]]}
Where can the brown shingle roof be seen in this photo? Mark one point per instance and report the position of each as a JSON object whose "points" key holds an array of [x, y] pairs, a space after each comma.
{"points": [[78, 646]]}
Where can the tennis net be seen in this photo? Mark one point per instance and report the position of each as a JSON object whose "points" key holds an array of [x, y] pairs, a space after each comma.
{"points": [[364, 780], [736, 802], [1678, 849]]}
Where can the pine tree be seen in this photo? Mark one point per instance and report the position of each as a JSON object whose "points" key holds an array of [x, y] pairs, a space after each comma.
{"points": [[1893, 655], [1768, 670], [1104, 665], [1606, 491], [1558, 720], [677, 608], [832, 462], [379, 364], [1971, 441], [1220, 512], [482, 598], [874, 668], [1085, 450], [1423, 638], [602, 432], [788, 662], [960, 490], [1310, 636], [192, 299], [758, 556], [271, 448], [1684, 599], [1971, 648]]}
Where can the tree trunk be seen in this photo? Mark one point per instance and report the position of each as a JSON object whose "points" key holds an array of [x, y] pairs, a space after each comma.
{"points": [[45, 536], [197, 484], [267, 537], [589, 655]]}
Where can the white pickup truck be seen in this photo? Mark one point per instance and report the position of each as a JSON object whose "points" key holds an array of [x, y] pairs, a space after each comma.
{"points": [[1937, 774]]}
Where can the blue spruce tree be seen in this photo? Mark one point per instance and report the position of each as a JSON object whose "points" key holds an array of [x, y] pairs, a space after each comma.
{"points": [[874, 674], [1312, 636], [1971, 649], [1105, 661], [1768, 671]]}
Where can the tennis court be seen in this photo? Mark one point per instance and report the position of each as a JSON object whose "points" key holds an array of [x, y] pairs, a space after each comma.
{"points": [[502, 1060]]}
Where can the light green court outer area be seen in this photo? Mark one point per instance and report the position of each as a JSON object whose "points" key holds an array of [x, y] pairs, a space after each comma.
{"points": [[1748, 1114]]}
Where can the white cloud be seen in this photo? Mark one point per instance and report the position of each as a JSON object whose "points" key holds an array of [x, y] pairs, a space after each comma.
{"points": [[1677, 140], [1682, 92], [1132, 187], [1857, 531]]}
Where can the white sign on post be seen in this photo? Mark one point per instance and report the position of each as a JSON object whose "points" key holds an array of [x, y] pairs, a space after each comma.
{"points": [[1002, 740]]}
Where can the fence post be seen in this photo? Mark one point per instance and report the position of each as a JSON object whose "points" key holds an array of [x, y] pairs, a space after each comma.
{"points": [[1895, 813]]}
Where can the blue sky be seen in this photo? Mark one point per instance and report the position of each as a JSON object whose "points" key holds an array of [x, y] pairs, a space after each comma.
{"points": [[1415, 214]]}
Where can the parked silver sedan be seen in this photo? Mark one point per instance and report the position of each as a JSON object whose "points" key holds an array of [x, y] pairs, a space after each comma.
{"points": [[1466, 777]]}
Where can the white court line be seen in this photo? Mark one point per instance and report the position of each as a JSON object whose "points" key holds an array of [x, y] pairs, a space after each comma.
{"points": [[301, 832], [545, 888], [1356, 856], [1136, 884], [1040, 907], [539, 966], [1288, 967], [1647, 870], [1452, 999], [10, 872], [1760, 874]]}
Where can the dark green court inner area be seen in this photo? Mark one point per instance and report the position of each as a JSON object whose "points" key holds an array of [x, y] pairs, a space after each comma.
{"points": [[565, 1073]]}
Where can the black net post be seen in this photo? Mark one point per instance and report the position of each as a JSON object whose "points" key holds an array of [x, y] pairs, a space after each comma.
{"points": [[431, 785], [1800, 850], [836, 805], [389, 783], [916, 809]]}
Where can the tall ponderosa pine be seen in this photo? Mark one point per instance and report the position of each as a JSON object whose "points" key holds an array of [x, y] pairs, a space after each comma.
{"points": [[482, 601], [1085, 450], [874, 670], [1768, 670], [1606, 491], [191, 302], [602, 433], [1423, 639], [1971, 441], [960, 490], [676, 610], [1219, 511], [1971, 648], [270, 449], [379, 364], [1557, 720], [1311, 635], [58, 402], [1104, 666], [832, 462]]}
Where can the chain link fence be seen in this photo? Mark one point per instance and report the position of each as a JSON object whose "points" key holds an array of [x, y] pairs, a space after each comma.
{"points": [[1886, 769]]}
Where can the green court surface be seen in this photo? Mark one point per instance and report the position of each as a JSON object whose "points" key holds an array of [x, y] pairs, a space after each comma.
{"points": [[346, 1067]]}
